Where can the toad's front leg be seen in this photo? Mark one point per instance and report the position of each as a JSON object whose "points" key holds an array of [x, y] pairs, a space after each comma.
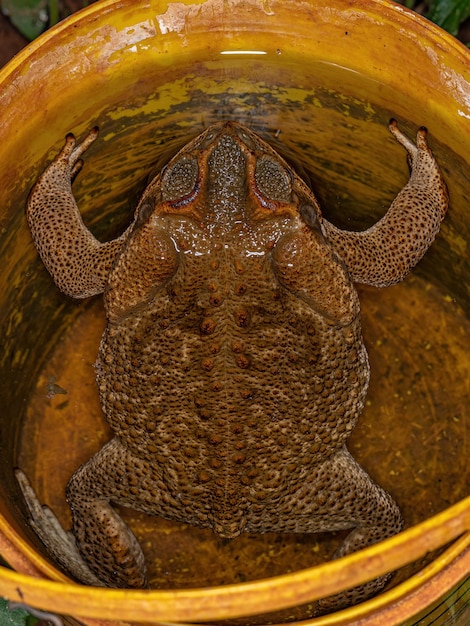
{"points": [[386, 252], [78, 263]]}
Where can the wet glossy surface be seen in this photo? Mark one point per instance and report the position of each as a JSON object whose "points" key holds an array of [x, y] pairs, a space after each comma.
{"points": [[411, 438], [152, 79]]}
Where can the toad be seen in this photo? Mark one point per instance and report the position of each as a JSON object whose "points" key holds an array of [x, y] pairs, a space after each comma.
{"points": [[232, 369]]}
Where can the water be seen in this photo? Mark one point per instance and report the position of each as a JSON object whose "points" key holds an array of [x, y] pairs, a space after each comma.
{"points": [[412, 437]]}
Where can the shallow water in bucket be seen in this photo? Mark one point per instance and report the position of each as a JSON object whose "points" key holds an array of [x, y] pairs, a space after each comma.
{"points": [[413, 435]]}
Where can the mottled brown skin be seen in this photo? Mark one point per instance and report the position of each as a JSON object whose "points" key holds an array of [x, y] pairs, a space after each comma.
{"points": [[232, 370]]}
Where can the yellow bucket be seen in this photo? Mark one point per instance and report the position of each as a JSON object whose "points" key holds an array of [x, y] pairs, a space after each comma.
{"points": [[320, 80]]}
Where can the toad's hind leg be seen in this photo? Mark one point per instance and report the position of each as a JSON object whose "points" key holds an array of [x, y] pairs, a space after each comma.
{"points": [[359, 501], [106, 543], [340, 495]]}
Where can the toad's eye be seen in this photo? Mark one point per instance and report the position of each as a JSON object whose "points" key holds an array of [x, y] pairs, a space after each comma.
{"points": [[273, 180], [179, 179]]}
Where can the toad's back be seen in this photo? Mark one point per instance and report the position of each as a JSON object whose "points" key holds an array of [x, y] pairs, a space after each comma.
{"points": [[229, 385], [225, 371]]}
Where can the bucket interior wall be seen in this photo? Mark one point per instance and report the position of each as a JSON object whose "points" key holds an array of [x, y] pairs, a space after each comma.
{"points": [[150, 85]]}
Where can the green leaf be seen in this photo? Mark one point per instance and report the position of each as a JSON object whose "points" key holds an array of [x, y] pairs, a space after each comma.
{"points": [[449, 14], [29, 16], [17, 617]]}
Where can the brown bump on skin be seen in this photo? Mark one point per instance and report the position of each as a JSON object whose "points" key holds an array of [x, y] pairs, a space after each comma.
{"points": [[204, 414], [246, 394], [239, 458], [204, 477], [214, 348], [215, 463], [215, 439], [245, 480], [214, 265], [183, 244], [241, 289], [243, 318], [217, 386], [237, 346], [207, 326], [243, 361], [132, 479], [315, 447], [207, 364], [312, 358], [216, 300], [199, 402]]}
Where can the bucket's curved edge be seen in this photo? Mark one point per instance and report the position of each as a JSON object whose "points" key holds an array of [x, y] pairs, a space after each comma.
{"points": [[404, 602], [407, 604], [240, 600], [23, 558]]}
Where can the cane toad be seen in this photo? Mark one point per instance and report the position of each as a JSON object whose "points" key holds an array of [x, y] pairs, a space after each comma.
{"points": [[232, 369]]}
